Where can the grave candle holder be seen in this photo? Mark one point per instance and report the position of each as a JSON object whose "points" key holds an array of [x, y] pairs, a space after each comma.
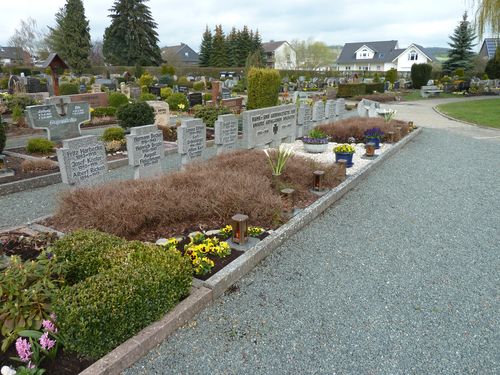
{"points": [[398, 133], [390, 137], [288, 196], [341, 170], [318, 180], [240, 229], [370, 149]]}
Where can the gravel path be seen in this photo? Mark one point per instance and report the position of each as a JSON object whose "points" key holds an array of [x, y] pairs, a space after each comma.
{"points": [[400, 277]]}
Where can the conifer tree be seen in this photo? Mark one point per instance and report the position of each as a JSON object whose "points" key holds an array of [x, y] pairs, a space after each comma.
{"points": [[257, 45], [244, 46], [218, 57], [70, 38], [461, 54], [232, 47], [131, 39], [206, 48]]}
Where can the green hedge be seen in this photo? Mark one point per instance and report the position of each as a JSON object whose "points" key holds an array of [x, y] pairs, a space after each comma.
{"points": [[420, 74], [350, 90], [131, 285], [104, 111], [135, 114], [372, 87], [263, 88], [69, 89]]}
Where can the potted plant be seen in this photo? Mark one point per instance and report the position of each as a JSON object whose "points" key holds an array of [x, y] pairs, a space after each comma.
{"points": [[344, 151], [374, 135], [315, 142]]}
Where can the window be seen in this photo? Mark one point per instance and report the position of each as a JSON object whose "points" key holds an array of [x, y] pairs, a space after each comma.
{"points": [[413, 56], [186, 54], [347, 68], [364, 53], [364, 68]]}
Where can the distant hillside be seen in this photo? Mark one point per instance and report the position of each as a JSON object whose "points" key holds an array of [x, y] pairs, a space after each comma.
{"points": [[440, 53]]}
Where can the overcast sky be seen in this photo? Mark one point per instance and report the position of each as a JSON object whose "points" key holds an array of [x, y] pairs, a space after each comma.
{"points": [[425, 22]]}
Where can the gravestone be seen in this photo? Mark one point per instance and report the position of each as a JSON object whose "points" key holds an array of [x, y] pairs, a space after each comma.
{"points": [[226, 93], [125, 89], [82, 160], [340, 107], [95, 88], [226, 133], [318, 112], [33, 85], [330, 109], [61, 122], [304, 120], [162, 112], [135, 92], [155, 90], [145, 150], [191, 140], [269, 126], [195, 98], [183, 89]]}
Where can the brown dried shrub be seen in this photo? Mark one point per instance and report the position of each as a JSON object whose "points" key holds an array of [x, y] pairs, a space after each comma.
{"points": [[355, 127], [37, 165], [206, 196], [381, 98], [169, 133]]}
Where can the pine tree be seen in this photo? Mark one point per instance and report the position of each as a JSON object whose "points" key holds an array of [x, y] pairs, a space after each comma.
{"points": [[131, 39], [257, 45], [218, 57], [244, 46], [206, 47], [462, 41], [71, 36], [232, 47]]}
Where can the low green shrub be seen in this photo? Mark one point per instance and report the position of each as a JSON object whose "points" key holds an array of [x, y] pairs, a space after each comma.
{"points": [[209, 114], [116, 99], [207, 97], [39, 146], [21, 101], [391, 75], [165, 92], [350, 90], [167, 80], [135, 114], [145, 96], [141, 285], [177, 99], [69, 89], [104, 112], [146, 80], [198, 86], [183, 81], [113, 134]]}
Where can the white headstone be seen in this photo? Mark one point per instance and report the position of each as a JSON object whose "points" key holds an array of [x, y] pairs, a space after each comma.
{"points": [[162, 112], [145, 150], [330, 109], [191, 140], [82, 160], [226, 133], [269, 126], [318, 112], [95, 88], [340, 107], [304, 120]]}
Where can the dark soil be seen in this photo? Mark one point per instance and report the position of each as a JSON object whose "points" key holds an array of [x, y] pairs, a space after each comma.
{"points": [[16, 131], [63, 364], [23, 245], [14, 163]]}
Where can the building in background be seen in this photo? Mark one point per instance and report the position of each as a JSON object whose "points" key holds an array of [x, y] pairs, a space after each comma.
{"points": [[180, 55], [14, 56], [280, 55], [489, 48]]}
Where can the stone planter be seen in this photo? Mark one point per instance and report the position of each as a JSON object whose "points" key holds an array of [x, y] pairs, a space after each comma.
{"points": [[315, 148]]}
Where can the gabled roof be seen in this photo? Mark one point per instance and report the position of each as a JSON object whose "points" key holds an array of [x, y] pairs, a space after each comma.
{"points": [[11, 53], [367, 47], [180, 52], [54, 58], [491, 45], [384, 51], [272, 46], [399, 52]]}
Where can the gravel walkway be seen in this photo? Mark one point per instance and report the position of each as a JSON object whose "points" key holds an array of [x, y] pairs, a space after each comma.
{"points": [[400, 277]]}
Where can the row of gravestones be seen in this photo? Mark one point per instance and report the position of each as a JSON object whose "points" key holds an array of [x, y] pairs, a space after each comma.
{"points": [[321, 112]]}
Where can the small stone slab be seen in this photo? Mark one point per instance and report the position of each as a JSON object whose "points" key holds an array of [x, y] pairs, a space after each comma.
{"points": [[145, 150], [318, 112], [304, 120], [162, 112], [226, 133], [191, 140], [82, 160]]}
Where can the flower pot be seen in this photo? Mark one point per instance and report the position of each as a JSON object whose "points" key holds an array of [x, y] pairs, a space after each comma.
{"points": [[315, 148], [375, 140], [346, 157]]}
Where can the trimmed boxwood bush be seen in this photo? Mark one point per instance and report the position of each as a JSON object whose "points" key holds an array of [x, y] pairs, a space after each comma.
{"points": [[135, 114], [263, 88], [147, 96], [420, 74], [113, 134], [352, 89], [177, 98], [370, 88], [39, 146], [198, 86], [165, 92], [69, 89], [209, 114], [136, 284], [104, 111], [116, 99]]}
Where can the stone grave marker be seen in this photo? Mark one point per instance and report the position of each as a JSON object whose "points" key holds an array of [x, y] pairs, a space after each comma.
{"points": [[330, 109], [95, 88], [226, 133], [191, 140], [269, 126], [195, 98], [226, 93], [155, 90], [60, 123], [135, 92], [318, 112], [340, 107], [82, 160], [183, 89], [145, 150], [304, 120], [162, 112]]}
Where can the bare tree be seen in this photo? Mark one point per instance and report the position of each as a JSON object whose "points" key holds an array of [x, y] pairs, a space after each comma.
{"points": [[488, 16], [28, 37], [96, 56]]}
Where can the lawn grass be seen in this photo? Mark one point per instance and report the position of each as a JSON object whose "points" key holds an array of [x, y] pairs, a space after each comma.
{"points": [[415, 95], [481, 112]]}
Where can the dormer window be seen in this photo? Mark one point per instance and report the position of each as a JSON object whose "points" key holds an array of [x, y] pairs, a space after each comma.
{"points": [[364, 53], [413, 56]]}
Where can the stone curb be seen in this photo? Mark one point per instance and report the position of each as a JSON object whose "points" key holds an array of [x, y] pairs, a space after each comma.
{"points": [[435, 108], [226, 277]]}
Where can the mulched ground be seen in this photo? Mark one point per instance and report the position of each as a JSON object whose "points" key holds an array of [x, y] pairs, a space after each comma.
{"points": [[14, 163], [23, 245]]}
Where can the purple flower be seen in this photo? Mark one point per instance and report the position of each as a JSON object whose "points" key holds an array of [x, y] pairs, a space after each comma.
{"points": [[23, 348], [49, 326], [53, 317], [46, 342], [374, 132]]}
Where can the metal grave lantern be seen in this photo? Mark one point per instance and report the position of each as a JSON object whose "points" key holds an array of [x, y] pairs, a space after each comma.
{"points": [[240, 229], [318, 180]]}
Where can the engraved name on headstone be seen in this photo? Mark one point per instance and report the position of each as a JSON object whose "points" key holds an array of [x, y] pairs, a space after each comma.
{"points": [[304, 120], [145, 150], [226, 133], [162, 112], [191, 140], [318, 113]]}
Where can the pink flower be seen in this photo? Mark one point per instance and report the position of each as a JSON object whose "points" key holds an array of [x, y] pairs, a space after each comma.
{"points": [[23, 348], [46, 342], [53, 317], [49, 326]]}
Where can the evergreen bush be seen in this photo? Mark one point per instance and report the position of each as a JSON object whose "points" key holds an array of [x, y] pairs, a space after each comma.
{"points": [[420, 74], [178, 98], [39, 146], [116, 99], [135, 114], [69, 89], [263, 88], [113, 134]]}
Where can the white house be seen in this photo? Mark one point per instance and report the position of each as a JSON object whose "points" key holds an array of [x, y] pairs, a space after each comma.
{"points": [[280, 55], [381, 56]]}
